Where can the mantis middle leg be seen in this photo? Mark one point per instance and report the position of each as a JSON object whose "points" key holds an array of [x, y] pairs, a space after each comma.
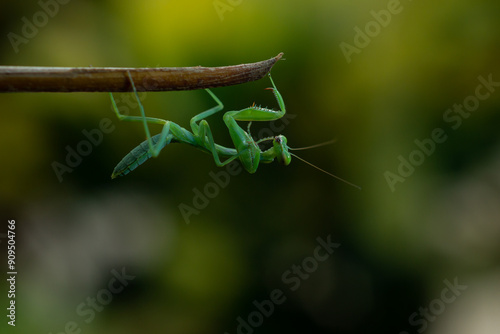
{"points": [[203, 133]]}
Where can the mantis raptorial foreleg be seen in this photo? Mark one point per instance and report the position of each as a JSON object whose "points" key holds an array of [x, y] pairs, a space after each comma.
{"points": [[254, 113]]}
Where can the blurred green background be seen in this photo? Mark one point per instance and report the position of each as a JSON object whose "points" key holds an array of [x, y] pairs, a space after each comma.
{"points": [[401, 246]]}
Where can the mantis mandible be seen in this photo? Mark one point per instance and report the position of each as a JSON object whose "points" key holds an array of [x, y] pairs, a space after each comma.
{"points": [[246, 149]]}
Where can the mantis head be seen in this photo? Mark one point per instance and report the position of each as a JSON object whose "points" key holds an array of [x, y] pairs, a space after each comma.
{"points": [[281, 150]]}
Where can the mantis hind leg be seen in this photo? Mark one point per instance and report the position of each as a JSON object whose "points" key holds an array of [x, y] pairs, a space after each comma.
{"points": [[154, 148], [151, 147]]}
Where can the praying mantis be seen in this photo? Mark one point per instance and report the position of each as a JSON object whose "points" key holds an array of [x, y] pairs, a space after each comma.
{"points": [[246, 149]]}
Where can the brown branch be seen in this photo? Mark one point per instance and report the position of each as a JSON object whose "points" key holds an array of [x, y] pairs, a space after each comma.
{"points": [[115, 79]]}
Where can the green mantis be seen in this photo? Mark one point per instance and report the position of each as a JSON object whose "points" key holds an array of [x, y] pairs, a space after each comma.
{"points": [[246, 149]]}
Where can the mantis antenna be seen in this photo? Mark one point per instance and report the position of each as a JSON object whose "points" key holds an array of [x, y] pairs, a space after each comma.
{"points": [[307, 162], [313, 146], [310, 164], [324, 171]]}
